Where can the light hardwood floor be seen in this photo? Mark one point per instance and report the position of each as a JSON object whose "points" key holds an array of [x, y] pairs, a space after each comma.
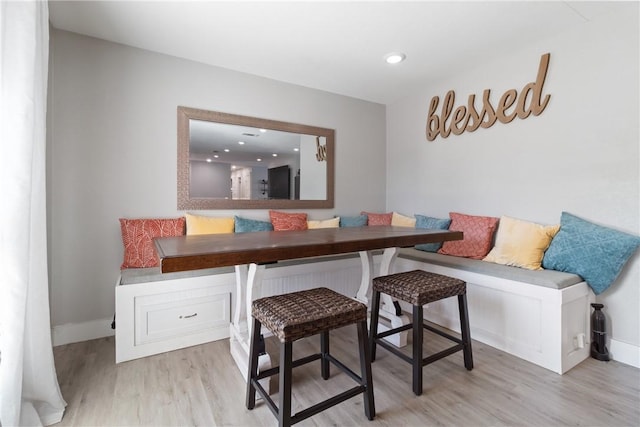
{"points": [[202, 386]]}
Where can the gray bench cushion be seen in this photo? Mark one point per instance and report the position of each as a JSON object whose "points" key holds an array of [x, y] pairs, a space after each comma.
{"points": [[547, 278], [130, 276]]}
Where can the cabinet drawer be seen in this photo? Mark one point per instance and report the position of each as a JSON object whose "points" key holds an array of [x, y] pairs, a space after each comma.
{"points": [[173, 314]]}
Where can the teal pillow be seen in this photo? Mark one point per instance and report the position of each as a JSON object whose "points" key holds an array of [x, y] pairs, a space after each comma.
{"points": [[353, 221], [245, 225], [594, 252], [431, 223]]}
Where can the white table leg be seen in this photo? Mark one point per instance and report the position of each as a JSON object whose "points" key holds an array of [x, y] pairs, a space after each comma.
{"points": [[248, 281], [387, 309], [364, 291]]}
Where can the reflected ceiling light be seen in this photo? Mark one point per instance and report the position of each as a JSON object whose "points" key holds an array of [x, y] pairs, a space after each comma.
{"points": [[274, 155], [296, 149], [216, 156], [226, 150], [259, 160], [209, 160], [263, 130], [395, 57], [241, 142]]}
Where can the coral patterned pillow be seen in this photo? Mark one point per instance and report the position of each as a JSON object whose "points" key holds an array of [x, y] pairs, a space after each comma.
{"points": [[378, 218], [137, 237], [478, 236], [285, 221]]}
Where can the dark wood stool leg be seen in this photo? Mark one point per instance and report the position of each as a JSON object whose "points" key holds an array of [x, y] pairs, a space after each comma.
{"points": [[365, 371], [324, 350], [373, 326], [284, 408], [253, 364], [417, 349], [465, 331]]}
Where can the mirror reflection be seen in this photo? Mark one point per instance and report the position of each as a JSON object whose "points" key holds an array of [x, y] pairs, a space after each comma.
{"points": [[231, 161]]}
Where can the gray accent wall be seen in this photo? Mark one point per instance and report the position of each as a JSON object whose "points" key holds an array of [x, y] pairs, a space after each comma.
{"points": [[112, 153]]}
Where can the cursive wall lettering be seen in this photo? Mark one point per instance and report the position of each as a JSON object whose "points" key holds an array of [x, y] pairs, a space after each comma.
{"points": [[468, 118]]}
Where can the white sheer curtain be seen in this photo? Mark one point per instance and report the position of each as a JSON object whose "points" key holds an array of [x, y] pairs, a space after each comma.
{"points": [[29, 391]]}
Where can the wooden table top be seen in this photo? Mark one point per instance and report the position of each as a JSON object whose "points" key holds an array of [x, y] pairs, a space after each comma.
{"points": [[221, 250]]}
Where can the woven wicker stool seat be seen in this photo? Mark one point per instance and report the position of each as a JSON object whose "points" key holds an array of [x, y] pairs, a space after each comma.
{"points": [[302, 314], [418, 288], [299, 315]]}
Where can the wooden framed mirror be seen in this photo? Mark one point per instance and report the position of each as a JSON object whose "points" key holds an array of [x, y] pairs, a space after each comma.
{"points": [[228, 161]]}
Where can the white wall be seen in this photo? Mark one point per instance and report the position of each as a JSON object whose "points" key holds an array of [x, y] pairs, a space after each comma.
{"points": [[112, 153], [580, 155]]}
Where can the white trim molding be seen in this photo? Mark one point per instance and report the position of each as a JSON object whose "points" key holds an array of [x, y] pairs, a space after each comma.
{"points": [[78, 332]]}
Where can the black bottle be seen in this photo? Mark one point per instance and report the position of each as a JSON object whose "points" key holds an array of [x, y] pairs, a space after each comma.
{"points": [[598, 334]]}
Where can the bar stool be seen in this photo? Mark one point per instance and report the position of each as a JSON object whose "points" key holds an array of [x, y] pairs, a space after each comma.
{"points": [[419, 288], [298, 315]]}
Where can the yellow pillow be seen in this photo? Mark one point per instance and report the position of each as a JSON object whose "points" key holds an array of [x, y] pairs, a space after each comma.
{"points": [[325, 223], [521, 243], [207, 225], [402, 221]]}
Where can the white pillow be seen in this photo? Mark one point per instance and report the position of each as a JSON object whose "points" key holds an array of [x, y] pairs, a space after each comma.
{"points": [[325, 223], [402, 221]]}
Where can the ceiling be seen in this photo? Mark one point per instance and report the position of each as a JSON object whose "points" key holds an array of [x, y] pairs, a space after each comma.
{"points": [[332, 46]]}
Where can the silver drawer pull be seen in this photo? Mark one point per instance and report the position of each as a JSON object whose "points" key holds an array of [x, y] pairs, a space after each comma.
{"points": [[189, 316]]}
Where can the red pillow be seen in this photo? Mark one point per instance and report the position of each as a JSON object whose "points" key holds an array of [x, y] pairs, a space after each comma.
{"points": [[137, 237], [284, 221], [378, 218], [478, 236]]}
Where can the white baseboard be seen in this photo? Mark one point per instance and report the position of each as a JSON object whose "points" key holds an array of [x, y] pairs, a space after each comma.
{"points": [[625, 353], [77, 332]]}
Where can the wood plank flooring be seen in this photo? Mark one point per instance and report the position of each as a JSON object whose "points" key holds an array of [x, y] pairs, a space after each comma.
{"points": [[202, 386]]}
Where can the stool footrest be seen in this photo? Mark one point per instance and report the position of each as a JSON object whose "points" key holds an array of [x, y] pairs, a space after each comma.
{"points": [[298, 362], [444, 353], [332, 401], [394, 350], [345, 369], [442, 333], [394, 330], [265, 396]]}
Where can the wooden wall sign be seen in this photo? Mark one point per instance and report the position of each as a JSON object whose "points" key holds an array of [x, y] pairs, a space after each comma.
{"points": [[467, 118]]}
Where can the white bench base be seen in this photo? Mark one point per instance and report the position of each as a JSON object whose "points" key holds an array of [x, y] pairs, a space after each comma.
{"points": [[155, 316], [545, 326], [548, 327]]}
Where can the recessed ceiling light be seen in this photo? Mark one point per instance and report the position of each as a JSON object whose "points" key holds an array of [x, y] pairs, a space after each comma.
{"points": [[209, 160], [263, 130], [216, 156], [274, 155], [241, 142], [259, 160], [226, 150], [395, 57], [296, 149]]}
